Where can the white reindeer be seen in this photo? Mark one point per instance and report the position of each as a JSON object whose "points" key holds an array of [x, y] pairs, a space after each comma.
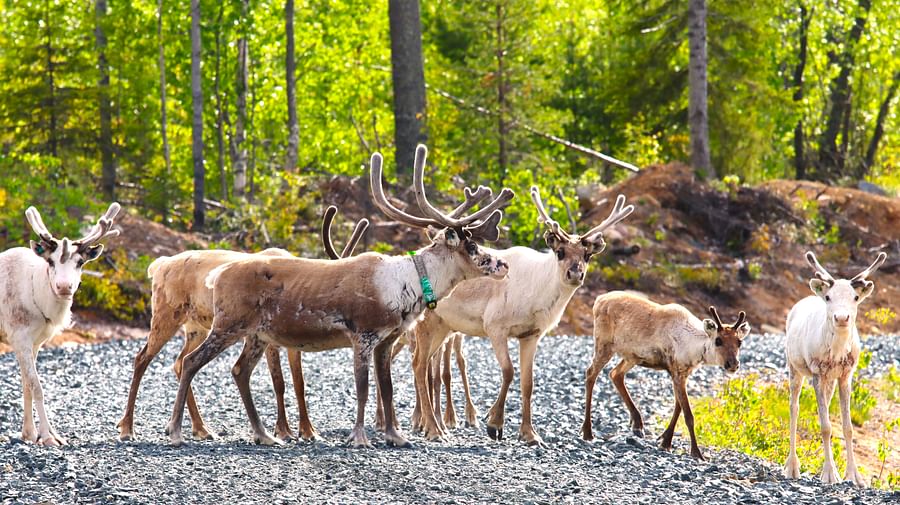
{"points": [[36, 292], [823, 343], [369, 299], [523, 306]]}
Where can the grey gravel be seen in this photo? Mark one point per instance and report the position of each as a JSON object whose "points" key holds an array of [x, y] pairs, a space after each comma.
{"points": [[86, 389]]}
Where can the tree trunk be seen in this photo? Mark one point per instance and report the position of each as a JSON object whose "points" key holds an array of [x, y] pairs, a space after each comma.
{"points": [[290, 161], [502, 106], [163, 120], [239, 157], [220, 127], [799, 155], [698, 118], [106, 148], [197, 124], [52, 140], [883, 111], [830, 159], [408, 77]]}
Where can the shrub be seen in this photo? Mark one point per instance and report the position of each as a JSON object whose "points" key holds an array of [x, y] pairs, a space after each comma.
{"points": [[621, 274]]}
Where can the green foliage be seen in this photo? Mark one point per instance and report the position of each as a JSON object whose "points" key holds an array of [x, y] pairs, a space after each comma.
{"points": [[621, 274], [755, 270], [707, 277], [892, 384], [754, 419], [122, 289], [891, 480]]}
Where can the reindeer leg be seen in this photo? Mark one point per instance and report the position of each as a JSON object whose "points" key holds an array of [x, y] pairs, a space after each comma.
{"points": [[666, 437], [601, 358], [496, 414], [384, 383], [362, 356], [307, 430], [618, 378], [680, 386], [273, 361], [425, 335], [471, 411], [527, 350], [254, 348], [792, 465], [824, 392], [435, 383], [215, 343], [194, 335], [163, 327], [852, 473], [446, 378], [25, 355], [29, 431]]}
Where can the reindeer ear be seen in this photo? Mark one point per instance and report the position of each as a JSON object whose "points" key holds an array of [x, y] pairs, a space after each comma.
{"points": [[711, 328], [92, 253], [743, 330], [598, 245], [819, 287], [451, 238], [864, 289], [42, 249], [551, 239]]}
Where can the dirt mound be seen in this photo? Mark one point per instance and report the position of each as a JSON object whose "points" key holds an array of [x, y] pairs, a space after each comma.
{"points": [[740, 247], [142, 237]]}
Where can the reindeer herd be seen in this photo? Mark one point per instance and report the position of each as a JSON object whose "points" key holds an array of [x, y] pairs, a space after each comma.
{"points": [[429, 298]]}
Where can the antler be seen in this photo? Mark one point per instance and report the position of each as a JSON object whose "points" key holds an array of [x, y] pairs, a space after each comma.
{"points": [[448, 220], [358, 231], [37, 224], [619, 212], [741, 317], [874, 266], [544, 217], [385, 206], [715, 315], [101, 230], [473, 198], [821, 273]]}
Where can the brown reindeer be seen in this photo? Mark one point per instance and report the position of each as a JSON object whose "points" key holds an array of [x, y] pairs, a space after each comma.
{"points": [[180, 298], [661, 337], [369, 299]]}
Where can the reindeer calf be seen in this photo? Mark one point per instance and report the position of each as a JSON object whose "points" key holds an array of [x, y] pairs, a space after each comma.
{"points": [[662, 337], [822, 343]]}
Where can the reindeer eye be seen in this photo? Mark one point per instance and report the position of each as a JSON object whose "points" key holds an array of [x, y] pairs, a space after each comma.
{"points": [[718, 341], [856, 298], [739, 343], [560, 254], [50, 262], [471, 247], [827, 298], [80, 263]]}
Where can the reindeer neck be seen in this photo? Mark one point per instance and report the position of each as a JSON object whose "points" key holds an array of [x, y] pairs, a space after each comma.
{"points": [[443, 273], [53, 309], [837, 343]]}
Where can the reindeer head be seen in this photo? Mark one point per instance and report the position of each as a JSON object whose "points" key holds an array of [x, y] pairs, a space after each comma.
{"points": [[65, 257], [574, 251], [458, 236], [842, 296], [726, 340]]}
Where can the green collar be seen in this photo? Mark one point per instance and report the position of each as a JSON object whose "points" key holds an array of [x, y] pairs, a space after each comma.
{"points": [[427, 291]]}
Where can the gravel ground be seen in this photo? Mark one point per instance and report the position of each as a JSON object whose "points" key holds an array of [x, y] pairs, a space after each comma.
{"points": [[87, 388]]}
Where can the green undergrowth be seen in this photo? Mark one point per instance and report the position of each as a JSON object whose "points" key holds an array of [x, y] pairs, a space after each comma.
{"points": [[753, 417], [120, 289]]}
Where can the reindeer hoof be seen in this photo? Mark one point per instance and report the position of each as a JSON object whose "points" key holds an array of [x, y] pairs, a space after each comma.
{"points": [[495, 433], [638, 432], [126, 437], [203, 434], [266, 439], [51, 440]]}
